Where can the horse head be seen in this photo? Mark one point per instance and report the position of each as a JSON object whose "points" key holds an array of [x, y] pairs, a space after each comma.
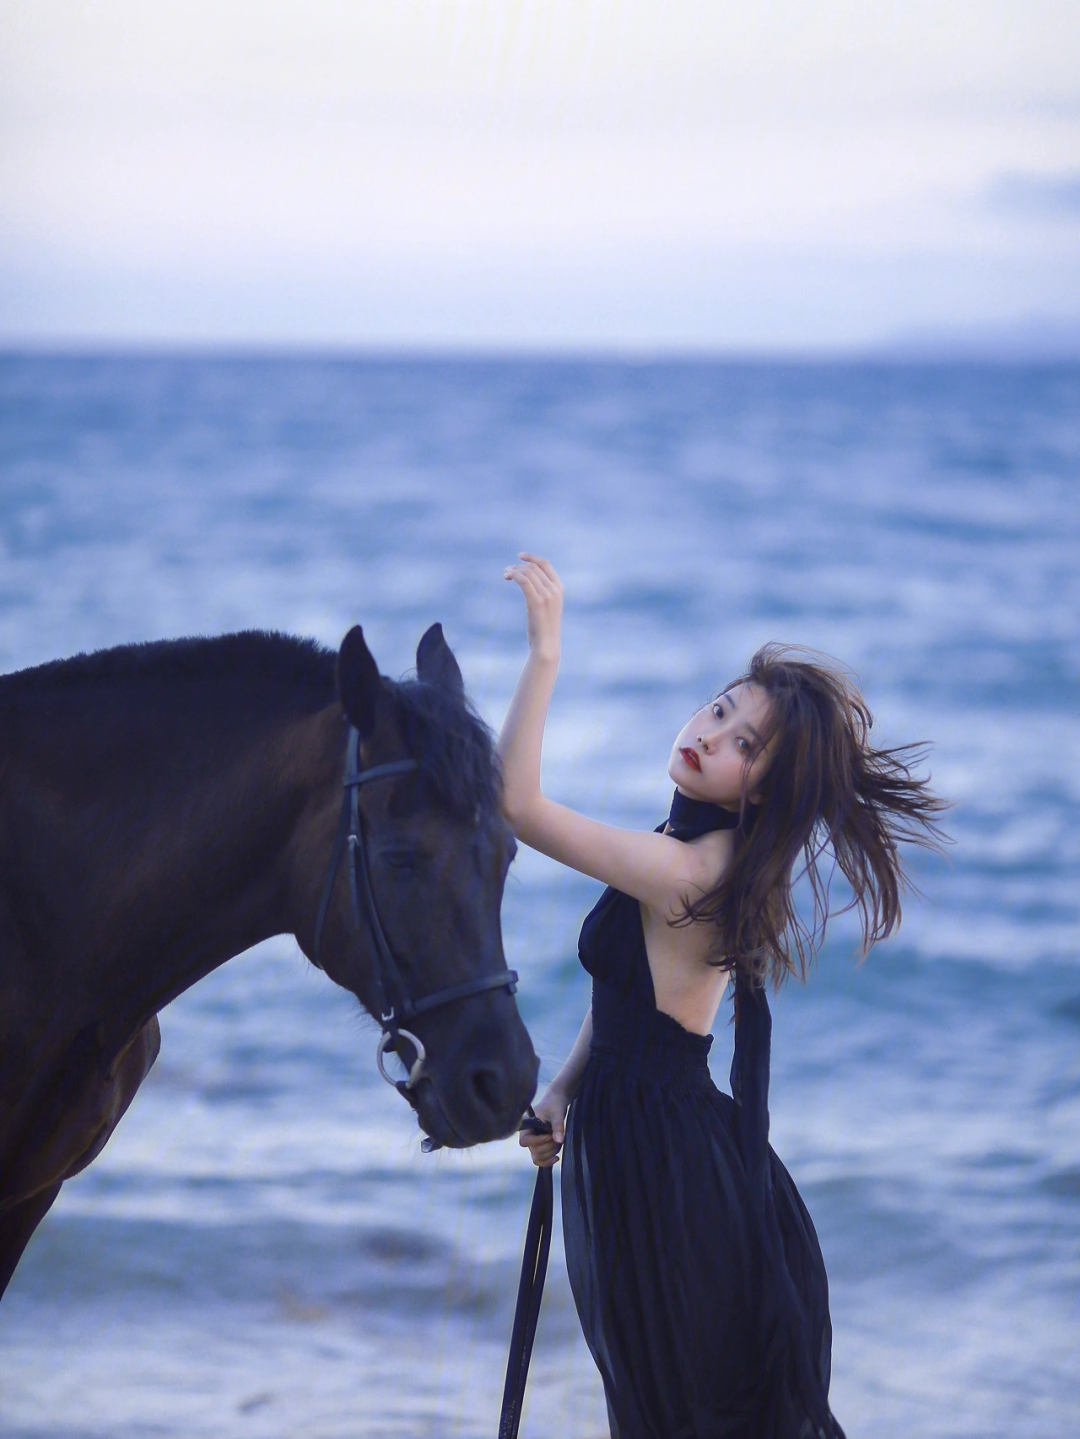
{"points": [[409, 920]]}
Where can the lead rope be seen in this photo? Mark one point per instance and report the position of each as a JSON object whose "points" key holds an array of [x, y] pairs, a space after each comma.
{"points": [[530, 1289]]}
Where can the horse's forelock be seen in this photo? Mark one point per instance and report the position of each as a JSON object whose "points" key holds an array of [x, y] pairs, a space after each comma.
{"points": [[456, 749]]}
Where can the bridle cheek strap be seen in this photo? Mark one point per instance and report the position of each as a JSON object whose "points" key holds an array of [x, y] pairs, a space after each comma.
{"points": [[392, 994]]}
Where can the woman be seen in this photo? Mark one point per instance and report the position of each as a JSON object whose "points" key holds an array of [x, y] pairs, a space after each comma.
{"points": [[694, 1265]]}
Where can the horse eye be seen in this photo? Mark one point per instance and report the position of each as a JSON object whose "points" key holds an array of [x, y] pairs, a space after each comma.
{"points": [[402, 859]]}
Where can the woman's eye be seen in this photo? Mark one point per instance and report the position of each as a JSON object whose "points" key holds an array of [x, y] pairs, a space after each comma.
{"points": [[718, 710]]}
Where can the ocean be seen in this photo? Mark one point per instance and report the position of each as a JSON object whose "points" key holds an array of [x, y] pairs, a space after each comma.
{"points": [[263, 1250]]}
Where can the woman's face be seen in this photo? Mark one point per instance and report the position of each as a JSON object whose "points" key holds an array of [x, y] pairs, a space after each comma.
{"points": [[722, 747]]}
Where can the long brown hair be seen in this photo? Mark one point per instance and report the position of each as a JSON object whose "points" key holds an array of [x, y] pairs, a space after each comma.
{"points": [[827, 790]]}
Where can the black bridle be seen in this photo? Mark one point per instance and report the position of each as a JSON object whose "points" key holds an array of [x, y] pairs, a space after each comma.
{"points": [[392, 995]]}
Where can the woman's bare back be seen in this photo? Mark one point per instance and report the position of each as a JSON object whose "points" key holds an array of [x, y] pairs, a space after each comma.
{"points": [[687, 986]]}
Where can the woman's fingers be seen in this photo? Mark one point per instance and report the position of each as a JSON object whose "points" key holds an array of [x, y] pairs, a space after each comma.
{"points": [[531, 581], [535, 598], [539, 592], [530, 1140], [543, 1148], [544, 566], [540, 571], [543, 1156]]}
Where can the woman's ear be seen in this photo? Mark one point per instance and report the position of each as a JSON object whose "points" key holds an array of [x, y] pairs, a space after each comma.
{"points": [[757, 796]]}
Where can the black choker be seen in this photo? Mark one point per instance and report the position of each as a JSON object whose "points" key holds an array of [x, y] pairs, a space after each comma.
{"points": [[691, 817]]}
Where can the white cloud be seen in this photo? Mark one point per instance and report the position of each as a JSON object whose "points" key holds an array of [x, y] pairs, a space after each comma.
{"points": [[526, 155]]}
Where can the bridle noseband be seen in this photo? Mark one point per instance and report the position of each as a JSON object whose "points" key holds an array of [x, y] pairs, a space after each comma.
{"points": [[395, 1003]]}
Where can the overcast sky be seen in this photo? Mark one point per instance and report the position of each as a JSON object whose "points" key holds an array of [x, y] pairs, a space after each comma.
{"points": [[792, 173]]}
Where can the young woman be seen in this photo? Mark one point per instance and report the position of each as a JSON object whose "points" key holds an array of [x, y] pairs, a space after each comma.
{"points": [[694, 1264]]}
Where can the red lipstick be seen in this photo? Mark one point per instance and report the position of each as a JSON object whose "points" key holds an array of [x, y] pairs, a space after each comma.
{"points": [[691, 758]]}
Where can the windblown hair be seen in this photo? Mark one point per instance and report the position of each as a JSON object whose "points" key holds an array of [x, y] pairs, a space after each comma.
{"points": [[827, 789], [455, 747]]}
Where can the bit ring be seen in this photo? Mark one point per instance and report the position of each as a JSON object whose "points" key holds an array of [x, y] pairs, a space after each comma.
{"points": [[416, 1072]]}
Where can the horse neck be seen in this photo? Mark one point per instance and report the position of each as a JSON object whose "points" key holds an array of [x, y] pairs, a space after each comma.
{"points": [[142, 854]]}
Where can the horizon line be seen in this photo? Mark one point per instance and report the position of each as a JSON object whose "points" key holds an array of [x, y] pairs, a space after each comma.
{"points": [[900, 350]]}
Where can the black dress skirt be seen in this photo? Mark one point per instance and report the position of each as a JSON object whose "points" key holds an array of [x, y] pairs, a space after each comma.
{"points": [[694, 1264]]}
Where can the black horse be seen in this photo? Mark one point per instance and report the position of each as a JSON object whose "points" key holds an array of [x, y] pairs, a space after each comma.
{"points": [[165, 806]]}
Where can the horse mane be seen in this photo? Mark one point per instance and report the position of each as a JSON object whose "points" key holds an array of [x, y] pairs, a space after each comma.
{"points": [[453, 744], [263, 656], [456, 749]]}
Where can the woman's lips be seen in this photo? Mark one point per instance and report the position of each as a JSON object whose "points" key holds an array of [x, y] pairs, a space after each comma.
{"points": [[690, 756]]}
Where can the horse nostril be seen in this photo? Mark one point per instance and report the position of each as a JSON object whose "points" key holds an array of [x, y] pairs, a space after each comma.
{"points": [[487, 1088]]}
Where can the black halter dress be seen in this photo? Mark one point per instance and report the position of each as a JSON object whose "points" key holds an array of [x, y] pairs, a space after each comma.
{"points": [[694, 1264]]}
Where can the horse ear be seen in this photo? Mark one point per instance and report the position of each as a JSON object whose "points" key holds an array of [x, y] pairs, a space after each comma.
{"points": [[358, 681], [436, 665]]}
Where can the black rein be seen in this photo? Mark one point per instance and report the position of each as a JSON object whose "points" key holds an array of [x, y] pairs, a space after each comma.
{"points": [[534, 1264]]}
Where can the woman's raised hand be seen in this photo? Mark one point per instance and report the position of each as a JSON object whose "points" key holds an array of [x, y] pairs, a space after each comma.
{"points": [[544, 1148], [543, 593]]}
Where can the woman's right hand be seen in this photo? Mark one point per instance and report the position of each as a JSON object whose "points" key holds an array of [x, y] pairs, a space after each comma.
{"points": [[544, 1148], [543, 593]]}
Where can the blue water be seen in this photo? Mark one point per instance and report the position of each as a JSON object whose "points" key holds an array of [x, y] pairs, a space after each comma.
{"points": [[263, 1250]]}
